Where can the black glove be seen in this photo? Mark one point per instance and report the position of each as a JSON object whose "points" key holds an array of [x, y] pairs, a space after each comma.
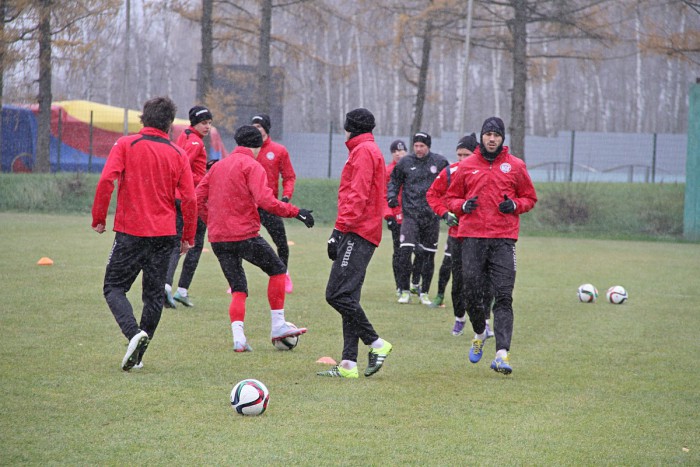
{"points": [[285, 199], [470, 204], [450, 219], [391, 223], [334, 243], [393, 202], [507, 206], [306, 217]]}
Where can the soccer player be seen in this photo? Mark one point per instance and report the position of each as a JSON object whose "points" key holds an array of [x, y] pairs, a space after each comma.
{"points": [[393, 216], [452, 261], [420, 229], [191, 141], [490, 190], [228, 198], [150, 170], [357, 233], [275, 160]]}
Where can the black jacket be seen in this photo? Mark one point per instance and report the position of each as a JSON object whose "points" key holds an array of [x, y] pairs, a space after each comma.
{"points": [[415, 176]]}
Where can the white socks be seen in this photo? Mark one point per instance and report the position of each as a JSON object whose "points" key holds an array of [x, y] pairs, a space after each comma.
{"points": [[181, 292], [348, 364], [168, 288], [378, 344], [503, 353], [277, 318], [237, 330]]}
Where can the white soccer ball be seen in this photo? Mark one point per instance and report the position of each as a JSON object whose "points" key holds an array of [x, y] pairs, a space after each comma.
{"points": [[288, 343], [250, 397], [616, 295], [587, 293]]}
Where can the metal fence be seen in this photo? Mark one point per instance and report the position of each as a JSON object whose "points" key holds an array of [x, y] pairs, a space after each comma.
{"points": [[568, 156]]}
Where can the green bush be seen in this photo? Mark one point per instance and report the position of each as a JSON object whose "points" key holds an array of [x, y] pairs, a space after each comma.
{"points": [[601, 210]]}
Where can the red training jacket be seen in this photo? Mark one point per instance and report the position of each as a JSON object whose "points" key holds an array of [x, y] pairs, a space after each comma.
{"points": [[191, 141], [362, 190], [275, 160], [397, 212], [229, 195], [476, 176], [150, 169], [436, 194]]}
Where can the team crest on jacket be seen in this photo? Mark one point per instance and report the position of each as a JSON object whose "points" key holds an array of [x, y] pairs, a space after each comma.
{"points": [[505, 167], [270, 155], [433, 169]]}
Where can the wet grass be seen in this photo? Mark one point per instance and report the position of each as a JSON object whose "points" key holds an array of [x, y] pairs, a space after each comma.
{"points": [[592, 383]]}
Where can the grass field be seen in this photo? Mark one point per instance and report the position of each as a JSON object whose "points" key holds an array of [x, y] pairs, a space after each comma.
{"points": [[593, 384]]}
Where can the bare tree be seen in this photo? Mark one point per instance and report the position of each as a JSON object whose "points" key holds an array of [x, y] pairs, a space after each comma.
{"points": [[528, 22]]}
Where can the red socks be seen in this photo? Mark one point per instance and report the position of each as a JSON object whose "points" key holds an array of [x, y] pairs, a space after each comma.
{"points": [[236, 311], [275, 291]]}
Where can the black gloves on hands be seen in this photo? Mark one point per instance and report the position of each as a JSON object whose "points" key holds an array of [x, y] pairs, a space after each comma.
{"points": [[334, 243], [506, 206], [450, 219], [470, 204], [306, 217], [392, 224], [393, 202], [285, 199]]}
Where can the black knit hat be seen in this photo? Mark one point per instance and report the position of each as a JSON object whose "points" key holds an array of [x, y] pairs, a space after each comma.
{"points": [[397, 145], [468, 142], [359, 121], [248, 136], [199, 114], [262, 120], [494, 124], [422, 137]]}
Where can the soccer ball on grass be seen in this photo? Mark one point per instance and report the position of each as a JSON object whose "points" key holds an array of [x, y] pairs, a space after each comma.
{"points": [[587, 293], [616, 295], [288, 343], [250, 397]]}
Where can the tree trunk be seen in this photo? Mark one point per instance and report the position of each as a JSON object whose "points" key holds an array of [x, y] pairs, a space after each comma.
{"points": [[518, 30], [43, 163], [3, 47], [206, 78], [264, 98], [422, 80]]}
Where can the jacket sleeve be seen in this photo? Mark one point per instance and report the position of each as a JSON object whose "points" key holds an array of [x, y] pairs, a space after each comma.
{"points": [[202, 193], [189, 202], [352, 212], [288, 175], [525, 196], [105, 186], [263, 196], [456, 193], [436, 192], [396, 181]]}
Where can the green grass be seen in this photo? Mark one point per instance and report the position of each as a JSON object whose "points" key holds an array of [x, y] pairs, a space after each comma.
{"points": [[592, 383]]}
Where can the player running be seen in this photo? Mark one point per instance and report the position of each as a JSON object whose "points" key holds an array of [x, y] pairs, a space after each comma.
{"points": [[228, 198]]}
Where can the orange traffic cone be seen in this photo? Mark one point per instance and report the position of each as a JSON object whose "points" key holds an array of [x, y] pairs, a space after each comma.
{"points": [[45, 261]]}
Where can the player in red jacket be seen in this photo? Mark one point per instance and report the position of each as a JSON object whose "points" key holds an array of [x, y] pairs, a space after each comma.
{"points": [[452, 259], [275, 160], [149, 169], [394, 216], [228, 198], [357, 233], [491, 188], [191, 141]]}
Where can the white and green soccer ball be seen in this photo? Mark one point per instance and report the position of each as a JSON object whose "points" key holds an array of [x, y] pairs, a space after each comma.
{"points": [[288, 343], [587, 293], [617, 295]]}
